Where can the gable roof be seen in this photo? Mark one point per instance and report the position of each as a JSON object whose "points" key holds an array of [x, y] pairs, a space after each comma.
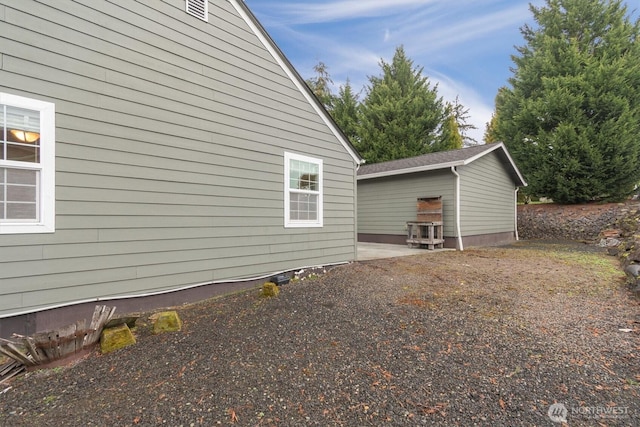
{"points": [[441, 160], [293, 74]]}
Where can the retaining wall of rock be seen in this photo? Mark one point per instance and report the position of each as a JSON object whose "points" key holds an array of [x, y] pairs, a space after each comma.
{"points": [[575, 222]]}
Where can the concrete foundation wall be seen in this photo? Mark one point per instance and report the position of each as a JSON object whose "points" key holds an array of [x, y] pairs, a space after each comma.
{"points": [[449, 242]]}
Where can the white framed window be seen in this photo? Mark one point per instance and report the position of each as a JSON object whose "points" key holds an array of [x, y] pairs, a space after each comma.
{"points": [[27, 165], [198, 8], [302, 191]]}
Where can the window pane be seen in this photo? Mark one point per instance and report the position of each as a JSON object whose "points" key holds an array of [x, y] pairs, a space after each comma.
{"points": [[22, 176], [308, 182], [293, 203], [23, 119], [21, 135], [21, 193], [303, 207], [313, 208], [21, 211], [23, 153], [294, 206], [304, 175]]}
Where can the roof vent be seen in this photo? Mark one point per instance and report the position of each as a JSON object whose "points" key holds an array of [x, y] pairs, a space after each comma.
{"points": [[198, 8]]}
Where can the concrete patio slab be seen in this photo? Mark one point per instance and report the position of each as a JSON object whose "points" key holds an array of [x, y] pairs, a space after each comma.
{"points": [[367, 251]]}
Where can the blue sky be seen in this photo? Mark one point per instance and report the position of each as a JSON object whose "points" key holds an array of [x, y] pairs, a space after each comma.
{"points": [[464, 46]]}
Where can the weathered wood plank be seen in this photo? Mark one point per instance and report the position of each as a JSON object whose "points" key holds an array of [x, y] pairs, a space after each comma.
{"points": [[34, 352], [10, 370], [66, 340], [101, 315], [81, 333], [10, 350], [47, 342]]}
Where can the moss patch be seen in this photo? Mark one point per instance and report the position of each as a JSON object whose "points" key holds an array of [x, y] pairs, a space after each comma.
{"points": [[270, 290], [167, 321], [116, 338]]}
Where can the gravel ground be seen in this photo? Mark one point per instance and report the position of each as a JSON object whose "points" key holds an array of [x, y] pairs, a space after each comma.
{"points": [[487, 337]]}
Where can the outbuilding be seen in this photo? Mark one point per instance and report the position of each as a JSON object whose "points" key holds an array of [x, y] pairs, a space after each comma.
{"points": [[476, 186]]}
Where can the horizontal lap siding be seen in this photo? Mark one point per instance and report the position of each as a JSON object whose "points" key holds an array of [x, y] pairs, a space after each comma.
{"points": [[386, 204], [171, 135], [486, 197]]}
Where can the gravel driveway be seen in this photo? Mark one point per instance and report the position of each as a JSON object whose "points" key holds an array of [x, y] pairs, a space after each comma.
{"points": [[487, 337]]}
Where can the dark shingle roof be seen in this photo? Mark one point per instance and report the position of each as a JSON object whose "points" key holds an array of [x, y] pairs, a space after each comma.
{"points": [[440, 160]]}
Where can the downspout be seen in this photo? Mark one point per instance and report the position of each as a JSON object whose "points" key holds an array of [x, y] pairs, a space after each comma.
{"points": [[457, 197], [355, 209], [516, 213]]}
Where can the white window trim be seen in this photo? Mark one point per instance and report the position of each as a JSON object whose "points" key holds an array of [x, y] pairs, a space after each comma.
{"points": [[205, 9], [288, 222], [47, 201]]}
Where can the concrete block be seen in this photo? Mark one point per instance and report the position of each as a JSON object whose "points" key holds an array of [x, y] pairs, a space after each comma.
{"points": [[116, 338], [166, 321]]}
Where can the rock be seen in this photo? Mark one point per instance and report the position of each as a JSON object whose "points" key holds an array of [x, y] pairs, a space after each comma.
{"points": [[633, 269], [610, 233], [166, 321], [609, 242], [116, 338]]}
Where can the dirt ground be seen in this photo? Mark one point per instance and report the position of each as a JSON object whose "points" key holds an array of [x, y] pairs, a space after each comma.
{"points": [[534, 334]]}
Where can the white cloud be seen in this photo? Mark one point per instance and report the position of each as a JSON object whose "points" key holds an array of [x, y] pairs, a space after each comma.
{"points": [[463, 45], [440, 36], [479, 110], [387, 35], [304, 13]]}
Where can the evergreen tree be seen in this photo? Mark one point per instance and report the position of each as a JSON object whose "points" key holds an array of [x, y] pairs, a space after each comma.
{"points": [[571, 116], [401, 113], [461, 115], [490, 131], [450, 138], [321, 85], [345, 112]]}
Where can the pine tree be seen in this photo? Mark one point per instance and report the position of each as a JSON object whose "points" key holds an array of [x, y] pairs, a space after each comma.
{"points": [[401, 113], [491, 130], [490, 136], [321, 85], [345, 112], [571, 116], [450, 138], [461, 115]]}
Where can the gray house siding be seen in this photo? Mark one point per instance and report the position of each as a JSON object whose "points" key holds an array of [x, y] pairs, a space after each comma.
{"points": [[386, 204], [487, 197], [170, 142]]}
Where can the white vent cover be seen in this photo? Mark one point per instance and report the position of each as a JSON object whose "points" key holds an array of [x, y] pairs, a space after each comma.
{"points": [[198, 8]]}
